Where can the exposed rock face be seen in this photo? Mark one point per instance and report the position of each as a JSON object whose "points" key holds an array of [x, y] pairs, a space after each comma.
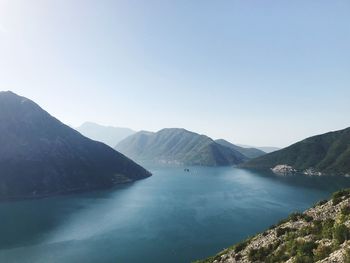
{"points": [[320, 234], [284, 169], [312, 171], [40, 156]]}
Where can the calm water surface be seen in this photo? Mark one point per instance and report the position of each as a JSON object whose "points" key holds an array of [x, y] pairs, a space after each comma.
{"points": [[172, 216]]}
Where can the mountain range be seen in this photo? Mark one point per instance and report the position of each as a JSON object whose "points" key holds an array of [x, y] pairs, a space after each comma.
{"points": [[107, 134], [327, 153], [175, 146], [40, 156]]}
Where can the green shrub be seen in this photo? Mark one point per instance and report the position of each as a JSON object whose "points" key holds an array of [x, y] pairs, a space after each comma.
{"points": [[322, 202], [305, 248], [281, 222], [279, 255], [303, 259], [262, 253], [307, 218], [305, 231], [281, 231], [341, 193], [347, 256], [272, 227], [341, 233], [258, 254], [336, 201], [345, 210], [322, 252], [314, 229], [300, 249], [291, 236], [337, 197], [240, 246], [327, 228], [295, 216]]}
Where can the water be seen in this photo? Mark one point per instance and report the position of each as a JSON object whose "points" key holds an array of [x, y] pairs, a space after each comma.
{"points": [[172, 216]]}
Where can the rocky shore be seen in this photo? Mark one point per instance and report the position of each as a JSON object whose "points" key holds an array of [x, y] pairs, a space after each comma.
{"points": [[320, 234], [285, 169]]}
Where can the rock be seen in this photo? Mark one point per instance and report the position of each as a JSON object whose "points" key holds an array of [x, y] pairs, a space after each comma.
{"points": [[283, 169], [268, 243]]}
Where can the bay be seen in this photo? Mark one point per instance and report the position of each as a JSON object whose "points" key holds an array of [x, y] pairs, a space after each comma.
{"points": [[173, 216]]}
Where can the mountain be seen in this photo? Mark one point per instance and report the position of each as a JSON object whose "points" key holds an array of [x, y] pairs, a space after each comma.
{"points": [[266, 149], [248, 152], [40, 156], [106, 134], [178, 147], [320, 234], [322, 154]]}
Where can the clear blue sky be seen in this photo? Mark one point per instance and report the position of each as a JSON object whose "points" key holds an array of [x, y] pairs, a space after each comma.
{"points": [[253, 72]]}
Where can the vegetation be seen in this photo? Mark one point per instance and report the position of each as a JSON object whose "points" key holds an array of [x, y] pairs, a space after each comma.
{"points": [[322, 252], [337, 197], [340, 234], [40, 156], [241, 245], [178, 147], [322, 202], [248, 152], [300, 237], [295, 246], [327, 153], [347, 256]]}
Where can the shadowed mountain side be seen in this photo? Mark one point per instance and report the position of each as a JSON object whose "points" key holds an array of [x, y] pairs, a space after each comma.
{"points": [[248, 152], [327, 153], [40, 156]]}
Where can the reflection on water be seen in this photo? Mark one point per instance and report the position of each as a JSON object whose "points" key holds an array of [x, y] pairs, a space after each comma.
{"points": [[172, 216]]}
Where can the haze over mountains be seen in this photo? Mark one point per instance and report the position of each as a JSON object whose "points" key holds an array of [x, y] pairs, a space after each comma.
{"points": [[107, 134], [248, 152], [41, 156], [174, 146], [266, 149], [327, 153]]}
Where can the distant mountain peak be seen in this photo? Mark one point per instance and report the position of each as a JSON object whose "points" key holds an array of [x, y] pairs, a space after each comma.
{"points": [[109, 135]]}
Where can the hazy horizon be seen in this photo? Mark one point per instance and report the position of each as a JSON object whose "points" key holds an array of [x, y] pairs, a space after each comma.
{"points": [[255, 73]]}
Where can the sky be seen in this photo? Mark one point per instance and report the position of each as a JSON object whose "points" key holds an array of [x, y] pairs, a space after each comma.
{"points": [[253, 72]]}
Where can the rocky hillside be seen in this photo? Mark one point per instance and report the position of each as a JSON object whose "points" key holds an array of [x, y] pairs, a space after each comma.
{"points": [[40, 156], [323, 154], [178, 147], [320, 234]]}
